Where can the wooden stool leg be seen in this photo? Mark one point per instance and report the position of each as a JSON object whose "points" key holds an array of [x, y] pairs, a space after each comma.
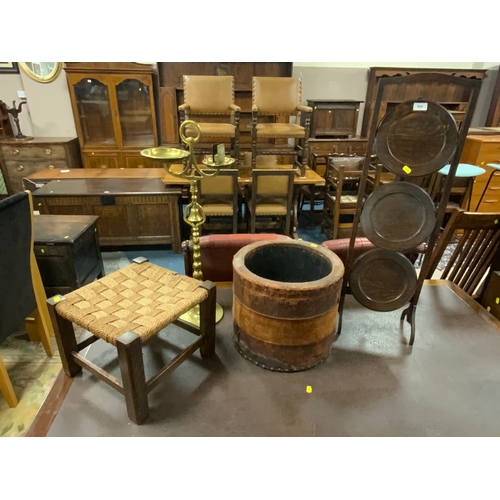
{"points": [[65, 337], [207, 320], [129, 346], [6, 386]]}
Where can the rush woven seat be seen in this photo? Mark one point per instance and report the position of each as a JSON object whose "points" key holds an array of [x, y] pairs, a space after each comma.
{"points": [[125, 309], [140, 298]]}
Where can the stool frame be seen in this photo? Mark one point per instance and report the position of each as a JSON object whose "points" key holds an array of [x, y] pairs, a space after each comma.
{"points": [[133, 386]]}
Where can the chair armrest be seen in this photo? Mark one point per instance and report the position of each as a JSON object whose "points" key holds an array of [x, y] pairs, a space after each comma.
{"points": [[234, 108], [301, 107], [184, 107]]}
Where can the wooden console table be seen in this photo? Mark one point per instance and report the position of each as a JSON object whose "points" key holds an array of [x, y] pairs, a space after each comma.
{"points": [[131, 211]]}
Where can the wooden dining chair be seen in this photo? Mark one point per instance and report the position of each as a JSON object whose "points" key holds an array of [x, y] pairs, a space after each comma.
{"points": [[314, 195], [474, 252], [268, 201], [279, 98], [209, 100], [21, 293], [343, 176], [220, 199]]}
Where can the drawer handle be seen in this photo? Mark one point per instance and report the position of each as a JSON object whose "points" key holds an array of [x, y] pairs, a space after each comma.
{"points": [[16, 151], [494, 188], [490, 201], [51, 166], [330, 111], [20, 168], [48, 152]]}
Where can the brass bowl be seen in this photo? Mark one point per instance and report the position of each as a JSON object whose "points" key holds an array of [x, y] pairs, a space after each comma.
{"points": [[210, 163], [165, 154]]}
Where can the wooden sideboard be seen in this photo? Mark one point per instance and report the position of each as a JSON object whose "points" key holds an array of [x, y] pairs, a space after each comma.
{"points": [[130, 211], [493, 117], [480, 150], [450, 96], [19, 159]]}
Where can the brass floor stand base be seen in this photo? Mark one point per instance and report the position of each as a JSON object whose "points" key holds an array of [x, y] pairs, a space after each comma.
{"points": [[193, 315]]}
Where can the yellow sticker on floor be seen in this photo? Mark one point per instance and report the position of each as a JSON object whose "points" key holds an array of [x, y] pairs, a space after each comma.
{"points": [[488, 308], [406, 169], [309, 389], [314, 245], [497, 300]]}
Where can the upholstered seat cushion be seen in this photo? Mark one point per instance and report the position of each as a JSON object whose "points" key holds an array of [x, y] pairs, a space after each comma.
{"points": [[214, 129], [140, 298], [345, 199], [280, 130], [218, 209], [270, 206]]}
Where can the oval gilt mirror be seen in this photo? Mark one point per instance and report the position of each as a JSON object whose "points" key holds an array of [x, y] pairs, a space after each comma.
{"points": [[43, 72]]}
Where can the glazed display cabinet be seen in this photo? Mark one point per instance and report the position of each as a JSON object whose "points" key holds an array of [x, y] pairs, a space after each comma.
{"points": [[113, 106]]}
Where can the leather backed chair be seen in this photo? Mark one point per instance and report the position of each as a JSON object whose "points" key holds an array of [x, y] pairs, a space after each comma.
{"points": [[268, 201], [220, 198], [279, 98], [21, 294], [217, 252], [209, 100]]}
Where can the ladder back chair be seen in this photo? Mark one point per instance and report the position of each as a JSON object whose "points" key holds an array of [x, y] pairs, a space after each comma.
{"points": [[343, 176], [474, 252]]}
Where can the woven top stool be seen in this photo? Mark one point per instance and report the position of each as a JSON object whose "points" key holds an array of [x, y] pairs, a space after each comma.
{"points": [[125, 309]]}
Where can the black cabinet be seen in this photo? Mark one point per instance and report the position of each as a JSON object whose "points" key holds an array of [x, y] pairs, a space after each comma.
{"points": [[67, 252]]}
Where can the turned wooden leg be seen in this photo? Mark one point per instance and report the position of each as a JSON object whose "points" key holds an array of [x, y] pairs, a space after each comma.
{"points": [[6, 386], [129, 346], [207, 320], [65, 337]]}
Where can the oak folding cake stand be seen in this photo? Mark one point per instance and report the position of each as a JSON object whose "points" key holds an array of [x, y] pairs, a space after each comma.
{"points": [[414, 140]]}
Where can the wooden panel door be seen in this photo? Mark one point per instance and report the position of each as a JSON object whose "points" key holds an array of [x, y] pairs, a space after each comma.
{"points": [[100, 160], [92, 103], [134, 115]]}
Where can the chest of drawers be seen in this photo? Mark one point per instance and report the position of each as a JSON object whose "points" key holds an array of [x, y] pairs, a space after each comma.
{"points": [[480, 150], [20, 159]]}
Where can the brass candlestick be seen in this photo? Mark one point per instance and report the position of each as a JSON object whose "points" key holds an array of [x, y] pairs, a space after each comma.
{"points": [[193, 213]]}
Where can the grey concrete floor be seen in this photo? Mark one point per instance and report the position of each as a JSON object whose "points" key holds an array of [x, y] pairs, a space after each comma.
{"points": [[373, 383]]}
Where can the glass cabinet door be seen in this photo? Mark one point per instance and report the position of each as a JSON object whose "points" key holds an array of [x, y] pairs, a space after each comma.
{"points": [[134, 108], [94, 112]]}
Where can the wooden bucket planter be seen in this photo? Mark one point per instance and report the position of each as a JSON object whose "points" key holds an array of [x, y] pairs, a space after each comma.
{"points": [[285, 303]]}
